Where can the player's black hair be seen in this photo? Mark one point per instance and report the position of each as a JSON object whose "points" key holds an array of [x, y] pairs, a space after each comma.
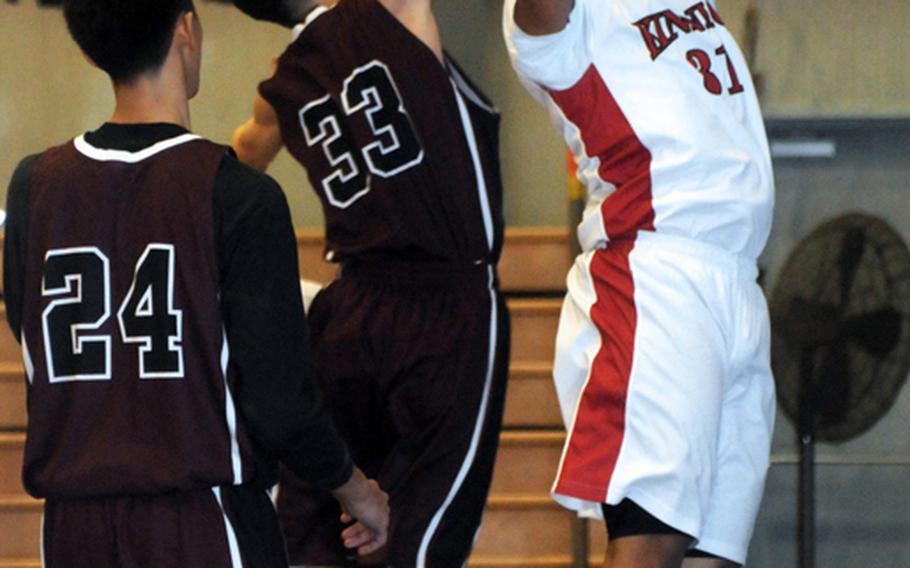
{"points": [[125, 38], [285, 12]]}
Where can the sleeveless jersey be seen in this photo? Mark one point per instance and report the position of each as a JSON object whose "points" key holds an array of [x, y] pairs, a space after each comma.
{"points": [[124, 345], [657, 105], [402, 151]]}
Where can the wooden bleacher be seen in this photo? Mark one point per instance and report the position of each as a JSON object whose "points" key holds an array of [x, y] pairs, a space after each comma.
{"points": [[522, 527]]}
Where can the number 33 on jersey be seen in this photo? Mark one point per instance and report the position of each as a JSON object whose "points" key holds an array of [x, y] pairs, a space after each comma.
{"points": [[369, 90]]}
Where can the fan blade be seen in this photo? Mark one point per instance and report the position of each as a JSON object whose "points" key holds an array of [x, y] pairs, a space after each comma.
{"points": [[832, 386], [808, 324], [876, 332], [851, 253]]}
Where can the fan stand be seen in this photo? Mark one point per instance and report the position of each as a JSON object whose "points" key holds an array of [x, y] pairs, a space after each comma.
{"points": [[806, 499]]}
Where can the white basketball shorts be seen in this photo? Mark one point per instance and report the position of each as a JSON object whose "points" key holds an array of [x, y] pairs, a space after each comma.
{"points": [[664, 381]]}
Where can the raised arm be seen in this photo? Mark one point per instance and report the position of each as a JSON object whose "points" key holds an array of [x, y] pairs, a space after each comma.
{"points": [[417, 16], [258, 140], [542, 17]]}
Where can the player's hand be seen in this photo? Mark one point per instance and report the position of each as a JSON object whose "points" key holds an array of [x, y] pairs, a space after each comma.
{"points": [[367, 506]]}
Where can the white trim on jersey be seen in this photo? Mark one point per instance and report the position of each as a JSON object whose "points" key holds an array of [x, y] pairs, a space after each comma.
{"points": [[230, 412], [475, 437], [310, 18], [27, 359], [236, 560], [478, 166], [103, 155], [466, 89]]}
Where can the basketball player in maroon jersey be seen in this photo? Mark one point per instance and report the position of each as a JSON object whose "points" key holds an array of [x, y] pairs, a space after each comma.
{"points": [[411, 342], [152, 282]]}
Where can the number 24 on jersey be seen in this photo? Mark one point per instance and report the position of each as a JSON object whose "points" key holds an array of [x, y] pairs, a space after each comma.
{"points": [[78, 282]]}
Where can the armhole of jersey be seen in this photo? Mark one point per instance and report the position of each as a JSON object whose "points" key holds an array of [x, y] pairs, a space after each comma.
{"points": [[310, 18], [566, 53], [464, 86]]}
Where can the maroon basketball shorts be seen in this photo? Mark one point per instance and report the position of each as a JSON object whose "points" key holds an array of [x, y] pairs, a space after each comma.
{"points": [[229, 527], [413, 361]]}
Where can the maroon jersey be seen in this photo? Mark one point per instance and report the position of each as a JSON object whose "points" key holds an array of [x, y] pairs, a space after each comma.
{"points": [[127, 358], [402, 150]]}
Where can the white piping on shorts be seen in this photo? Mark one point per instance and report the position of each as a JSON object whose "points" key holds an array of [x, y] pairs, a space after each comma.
{"points": [[43, 564], [475, 437], [236, 561]]}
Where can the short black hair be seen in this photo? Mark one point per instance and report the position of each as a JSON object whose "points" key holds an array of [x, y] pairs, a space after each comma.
{"points": [[125, 38]]}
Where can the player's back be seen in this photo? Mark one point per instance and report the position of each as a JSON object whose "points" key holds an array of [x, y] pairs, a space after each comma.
{"points": [[122, 336], [656, 103], [402, 151]]}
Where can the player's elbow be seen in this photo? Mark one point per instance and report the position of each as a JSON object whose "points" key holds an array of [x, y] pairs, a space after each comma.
{"points": [[248, 149]]}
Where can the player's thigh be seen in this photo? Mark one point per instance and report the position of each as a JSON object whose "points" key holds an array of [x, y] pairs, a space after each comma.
{"points": [[446, 409], [77, 534], [349, 324], [678, 365], [185, 529], [746, 428]]}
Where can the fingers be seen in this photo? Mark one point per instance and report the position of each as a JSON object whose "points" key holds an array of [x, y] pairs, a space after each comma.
{"points": [[370, 548], [362, 538], [356, 535]]}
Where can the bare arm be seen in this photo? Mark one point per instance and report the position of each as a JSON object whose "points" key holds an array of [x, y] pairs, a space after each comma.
{"points": [[258, 140], [417, 16], [367, 506], [542, 17]]}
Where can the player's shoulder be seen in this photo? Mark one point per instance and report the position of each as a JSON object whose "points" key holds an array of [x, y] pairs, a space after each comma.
{"points": [[237, 184], [22, 175], [28, 166]]}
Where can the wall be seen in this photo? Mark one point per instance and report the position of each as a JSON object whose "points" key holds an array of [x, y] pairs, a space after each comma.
{"points": [[818, 58], [832, 57], [862, 510], [48, 93]]}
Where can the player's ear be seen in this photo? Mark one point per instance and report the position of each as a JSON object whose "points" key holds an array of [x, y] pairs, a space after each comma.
{"points": [[188, 32], [188, 44]]}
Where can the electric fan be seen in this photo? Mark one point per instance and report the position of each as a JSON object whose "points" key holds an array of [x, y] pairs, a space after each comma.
{"points": [[840, 314]]}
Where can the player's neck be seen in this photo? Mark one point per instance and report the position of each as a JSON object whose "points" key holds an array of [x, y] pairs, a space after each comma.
{"points": [[417, 17], [159, 97]]}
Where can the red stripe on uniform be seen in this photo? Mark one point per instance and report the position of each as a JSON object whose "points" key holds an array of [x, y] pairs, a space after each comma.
{"points": [[624, 161], [597, 434]]}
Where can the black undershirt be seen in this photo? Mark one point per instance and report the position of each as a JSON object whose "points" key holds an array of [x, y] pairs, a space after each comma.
{"points": [[276, 394]]}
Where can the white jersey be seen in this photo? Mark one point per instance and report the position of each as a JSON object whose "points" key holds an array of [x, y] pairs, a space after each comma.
{"points": [[657, 105]]}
